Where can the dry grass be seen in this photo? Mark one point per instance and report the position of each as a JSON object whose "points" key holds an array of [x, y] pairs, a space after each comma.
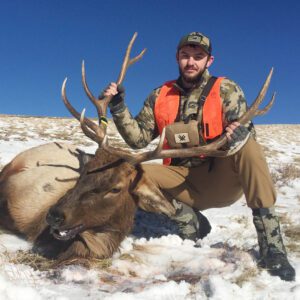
{"points": [[293, 233], [90, 263], [246, 276], [269, 152], [131, 258], [241, 219], [40, 263], [293, 248], [33, 260], [284, 174]]}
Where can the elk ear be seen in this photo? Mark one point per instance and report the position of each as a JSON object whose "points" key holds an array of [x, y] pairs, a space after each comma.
{"points": [[150, 198]]}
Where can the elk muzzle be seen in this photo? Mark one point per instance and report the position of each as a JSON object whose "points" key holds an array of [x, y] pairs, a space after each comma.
{"points": [[56, 219]]}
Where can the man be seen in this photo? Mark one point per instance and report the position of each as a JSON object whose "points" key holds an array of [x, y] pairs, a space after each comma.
{"points": [[205, 182]]}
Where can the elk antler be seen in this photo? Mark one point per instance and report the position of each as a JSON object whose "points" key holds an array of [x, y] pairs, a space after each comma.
{"points": [[90, 129], [211, 149]]}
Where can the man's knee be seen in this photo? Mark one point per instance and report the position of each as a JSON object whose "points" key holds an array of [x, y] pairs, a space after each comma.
{"points": [[255, 176], [251, 149], [191, 223]]}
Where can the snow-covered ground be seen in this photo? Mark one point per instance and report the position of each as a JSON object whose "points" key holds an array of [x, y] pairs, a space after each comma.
{"points": [[165, 267]]}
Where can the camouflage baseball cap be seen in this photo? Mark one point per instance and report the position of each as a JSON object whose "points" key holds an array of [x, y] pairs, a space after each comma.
{"points": [[196, 38]]}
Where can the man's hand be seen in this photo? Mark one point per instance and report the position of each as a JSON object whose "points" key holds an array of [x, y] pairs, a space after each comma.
{"points": [[235, 133], [117, 91], [110, 90]]}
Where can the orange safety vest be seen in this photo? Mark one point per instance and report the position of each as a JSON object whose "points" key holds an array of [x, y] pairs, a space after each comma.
{"points": [[167, 105]]}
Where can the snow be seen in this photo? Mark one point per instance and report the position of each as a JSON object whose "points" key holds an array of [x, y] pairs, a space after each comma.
{"points": [[221, 266]]}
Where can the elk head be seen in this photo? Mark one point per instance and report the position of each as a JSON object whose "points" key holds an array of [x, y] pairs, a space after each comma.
{"points": [[99, 211]]}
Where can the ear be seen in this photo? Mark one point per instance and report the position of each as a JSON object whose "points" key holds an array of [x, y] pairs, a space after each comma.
{"points": [[210, 61], [177, 57], [150, 198]]}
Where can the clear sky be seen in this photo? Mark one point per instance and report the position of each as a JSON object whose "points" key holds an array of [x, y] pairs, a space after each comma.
{"points": [[44, 41]]}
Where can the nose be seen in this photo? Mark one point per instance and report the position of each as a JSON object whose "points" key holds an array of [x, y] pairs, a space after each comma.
{"points": [[190, 60], [55, 217]]}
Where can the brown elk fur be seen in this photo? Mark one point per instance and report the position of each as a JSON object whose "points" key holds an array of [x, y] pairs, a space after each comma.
{"points": [[28, 186]]}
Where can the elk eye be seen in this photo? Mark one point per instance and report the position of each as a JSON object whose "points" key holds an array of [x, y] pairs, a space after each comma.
{"points": [[115, 190], [97, 190]]}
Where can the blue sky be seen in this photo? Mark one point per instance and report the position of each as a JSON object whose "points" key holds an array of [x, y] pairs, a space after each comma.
{"points": [[42, 42]]}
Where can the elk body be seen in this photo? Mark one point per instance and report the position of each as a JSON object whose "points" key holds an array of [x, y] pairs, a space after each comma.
{"points": [[88, 216], [29, 185]]}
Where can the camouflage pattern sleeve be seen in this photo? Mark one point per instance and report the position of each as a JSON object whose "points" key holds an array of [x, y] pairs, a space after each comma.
{"points": [[138, 132], [234, 102], [234, 105]]}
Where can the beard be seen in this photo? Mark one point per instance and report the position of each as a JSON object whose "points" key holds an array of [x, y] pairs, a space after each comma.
{"points": [[191, 79]]}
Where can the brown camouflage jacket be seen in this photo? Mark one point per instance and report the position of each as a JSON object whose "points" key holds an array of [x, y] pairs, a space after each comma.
{"points": [[139, 131]]}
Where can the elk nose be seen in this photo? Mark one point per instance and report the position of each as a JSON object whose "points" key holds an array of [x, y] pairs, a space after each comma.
{"points": [[55, 217]]}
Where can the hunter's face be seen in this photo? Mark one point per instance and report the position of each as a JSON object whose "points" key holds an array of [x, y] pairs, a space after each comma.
{"points": [[192, 61]]}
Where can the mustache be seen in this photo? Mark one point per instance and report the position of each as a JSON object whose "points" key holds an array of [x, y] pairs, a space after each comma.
{"points": [[191, 68], [194, 80]]}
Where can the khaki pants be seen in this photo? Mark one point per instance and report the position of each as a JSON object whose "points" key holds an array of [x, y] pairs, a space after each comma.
{"points": [[244, 172]]}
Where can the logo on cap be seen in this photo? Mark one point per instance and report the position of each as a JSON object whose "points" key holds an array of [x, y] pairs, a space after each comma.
{"points": [[194, 38]]}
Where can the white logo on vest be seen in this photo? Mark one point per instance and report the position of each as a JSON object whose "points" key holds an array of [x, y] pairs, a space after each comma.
{"points": [[181, 138]]}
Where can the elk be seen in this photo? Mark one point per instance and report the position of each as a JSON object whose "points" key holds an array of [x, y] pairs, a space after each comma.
{"points": [[90, 208]]}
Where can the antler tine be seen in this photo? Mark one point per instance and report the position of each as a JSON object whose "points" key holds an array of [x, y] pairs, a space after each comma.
{"points": [[93, 131], [127, 61], [137, 58], [103, 103], [88, 92], [251, 112], [158, 153], [73, 111], [130, 157], [263, 111], [148, 155], [95, 136], [125, 154]]}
